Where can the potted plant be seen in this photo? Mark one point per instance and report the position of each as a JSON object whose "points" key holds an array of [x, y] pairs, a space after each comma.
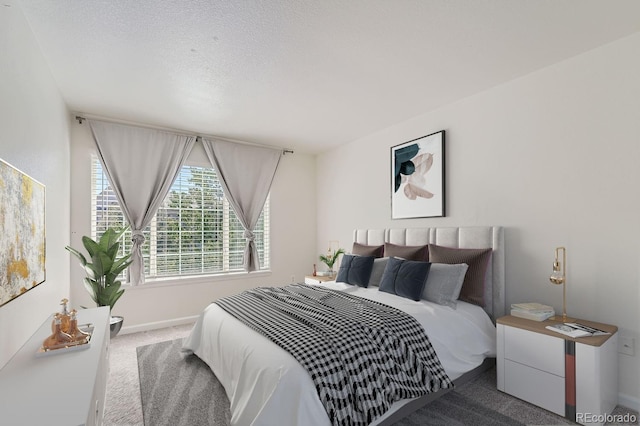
{"points": [[329, 259], [101, 280]]}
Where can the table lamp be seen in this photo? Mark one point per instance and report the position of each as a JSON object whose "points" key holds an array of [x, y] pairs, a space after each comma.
{"points": [[559, 276]]}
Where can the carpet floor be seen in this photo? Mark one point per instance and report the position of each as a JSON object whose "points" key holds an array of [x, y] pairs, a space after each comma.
{"points": [[124, 401], [196, 397]]}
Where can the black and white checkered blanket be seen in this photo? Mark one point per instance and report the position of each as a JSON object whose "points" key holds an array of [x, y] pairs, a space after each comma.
{"points": [[361, 355]]}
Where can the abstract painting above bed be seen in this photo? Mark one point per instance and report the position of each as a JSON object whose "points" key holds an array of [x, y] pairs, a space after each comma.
{"points": [[418, 178]]}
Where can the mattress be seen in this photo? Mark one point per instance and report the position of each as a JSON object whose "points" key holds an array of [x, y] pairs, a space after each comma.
{"points": [[265, 385]]}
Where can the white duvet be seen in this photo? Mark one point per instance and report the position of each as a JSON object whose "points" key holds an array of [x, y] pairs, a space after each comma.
{"points": [[267, 386]]}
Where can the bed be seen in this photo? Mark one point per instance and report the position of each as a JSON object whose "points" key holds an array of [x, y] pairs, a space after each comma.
{"points": [[266, 385]]}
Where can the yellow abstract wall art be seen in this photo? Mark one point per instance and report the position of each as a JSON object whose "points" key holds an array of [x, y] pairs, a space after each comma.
{"points": [[22, 233]]}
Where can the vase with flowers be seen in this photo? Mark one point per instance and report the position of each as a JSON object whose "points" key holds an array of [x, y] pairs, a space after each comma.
{"points": [[330, 259]]}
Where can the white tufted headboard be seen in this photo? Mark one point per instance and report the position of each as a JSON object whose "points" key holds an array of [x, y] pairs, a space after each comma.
{"points": [[458, 237]]}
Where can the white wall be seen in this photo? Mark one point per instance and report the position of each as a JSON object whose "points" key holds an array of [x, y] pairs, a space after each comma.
{"points": [[34, 137], [554, 157], [293, 232]]}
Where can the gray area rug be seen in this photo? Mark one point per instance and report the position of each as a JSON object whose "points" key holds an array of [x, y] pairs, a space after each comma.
{"points": [[177, 390]]}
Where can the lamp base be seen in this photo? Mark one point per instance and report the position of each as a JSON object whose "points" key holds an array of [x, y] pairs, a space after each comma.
{"points": [[562, 318]]}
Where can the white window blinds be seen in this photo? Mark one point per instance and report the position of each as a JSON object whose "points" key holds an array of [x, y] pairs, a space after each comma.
{"points": [[194, 232]]}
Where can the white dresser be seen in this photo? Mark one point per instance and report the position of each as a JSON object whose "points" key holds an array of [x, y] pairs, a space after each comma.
{"points": [[63, 388], [574, 378]]}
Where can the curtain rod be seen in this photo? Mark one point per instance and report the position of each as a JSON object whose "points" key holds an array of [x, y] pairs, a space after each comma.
{"points": [[284, 150]]}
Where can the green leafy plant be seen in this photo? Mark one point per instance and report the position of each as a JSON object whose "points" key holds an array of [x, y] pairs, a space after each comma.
{"points": [[102, 271], [330, 259]]}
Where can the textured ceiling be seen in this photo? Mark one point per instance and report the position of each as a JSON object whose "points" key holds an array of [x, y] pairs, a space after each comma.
{"points": [[303, 74]]}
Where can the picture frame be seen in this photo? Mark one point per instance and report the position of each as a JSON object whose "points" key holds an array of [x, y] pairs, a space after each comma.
{"points": [[418, 177], [22, 233]]}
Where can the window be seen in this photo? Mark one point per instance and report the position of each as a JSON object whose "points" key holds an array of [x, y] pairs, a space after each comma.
{"points": [[194, 232]]}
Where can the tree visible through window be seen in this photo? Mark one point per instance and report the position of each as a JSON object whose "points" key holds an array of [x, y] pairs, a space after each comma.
{"points": [[194, 232]]}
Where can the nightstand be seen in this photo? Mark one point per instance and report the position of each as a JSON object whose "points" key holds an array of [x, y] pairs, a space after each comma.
{"points": [[573, 377], [310, 279]]}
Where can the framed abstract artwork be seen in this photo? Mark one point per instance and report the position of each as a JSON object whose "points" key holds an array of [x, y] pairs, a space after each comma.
{"points": [[417, 178], [22, 233]]}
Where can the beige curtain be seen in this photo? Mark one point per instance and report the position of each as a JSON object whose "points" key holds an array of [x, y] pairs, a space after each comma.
{"points": [[246, 173], [141, 165]]}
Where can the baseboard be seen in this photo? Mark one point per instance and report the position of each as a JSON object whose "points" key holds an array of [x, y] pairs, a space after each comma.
{"points": [[157, 324], [629, 401]]}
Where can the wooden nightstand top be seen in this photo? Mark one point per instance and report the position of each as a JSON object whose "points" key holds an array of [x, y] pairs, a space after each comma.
{"points": [[539, 327], [321, 278]]}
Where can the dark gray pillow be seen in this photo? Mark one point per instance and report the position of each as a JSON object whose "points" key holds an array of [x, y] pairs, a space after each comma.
{"points": [[444, 283], [378, 269], [363, 250], [405, 278], [355, 270], [420, 253]]}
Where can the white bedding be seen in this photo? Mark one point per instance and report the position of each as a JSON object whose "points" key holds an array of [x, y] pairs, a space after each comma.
{"points": [[267, 386]]}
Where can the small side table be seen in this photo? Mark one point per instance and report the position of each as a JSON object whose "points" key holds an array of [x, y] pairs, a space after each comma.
{"points": [[310, 279], [573, 377]]}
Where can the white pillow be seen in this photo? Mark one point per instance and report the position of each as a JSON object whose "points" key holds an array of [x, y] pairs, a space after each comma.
{"points": [[444, 283]]}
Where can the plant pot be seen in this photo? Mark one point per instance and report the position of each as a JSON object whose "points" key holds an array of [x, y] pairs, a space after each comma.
{"points": [[115, 324]]}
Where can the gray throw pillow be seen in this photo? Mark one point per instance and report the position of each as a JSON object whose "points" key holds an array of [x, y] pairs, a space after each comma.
{"points": [[378, 269], [444, 283], [477, 259]]}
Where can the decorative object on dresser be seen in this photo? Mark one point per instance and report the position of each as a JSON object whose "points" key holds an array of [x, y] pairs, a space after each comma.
{"points": [[102, 272], [22, 233], [559, 276], [417, 178], [66, 334], [569, 376]]}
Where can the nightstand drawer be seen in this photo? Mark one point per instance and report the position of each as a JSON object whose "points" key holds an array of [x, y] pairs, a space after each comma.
{"points": [[542, 352], [537, 387]]}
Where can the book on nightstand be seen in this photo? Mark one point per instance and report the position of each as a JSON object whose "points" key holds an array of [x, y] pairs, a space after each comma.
{"points": [[533, 311], [574, 329]]}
